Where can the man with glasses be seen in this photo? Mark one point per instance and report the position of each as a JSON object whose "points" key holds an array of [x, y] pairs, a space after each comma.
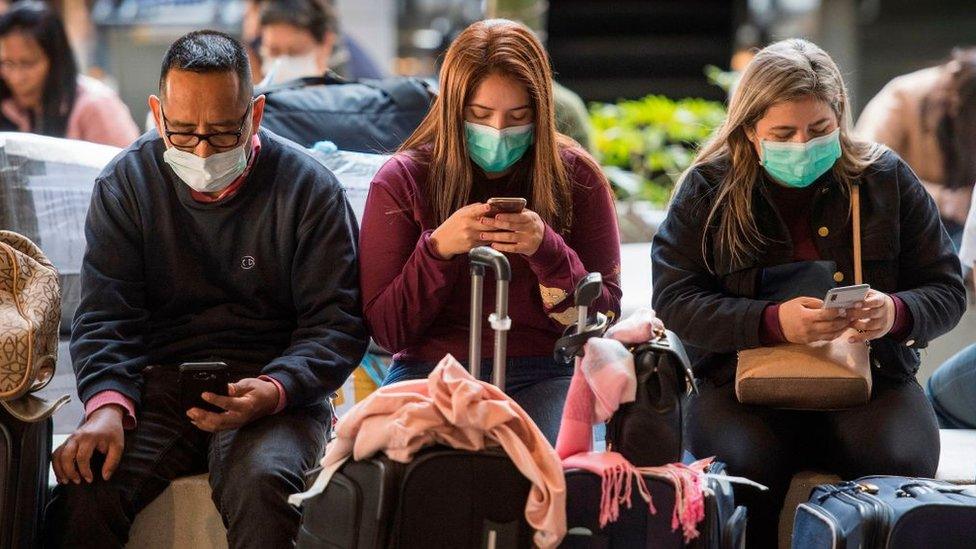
{"points": [[211, 241]]}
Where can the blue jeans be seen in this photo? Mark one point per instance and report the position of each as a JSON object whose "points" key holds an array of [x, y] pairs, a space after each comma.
{"points": [[952, 390], [537, 384]]}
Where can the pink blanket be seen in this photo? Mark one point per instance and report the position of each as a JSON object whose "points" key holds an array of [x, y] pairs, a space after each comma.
{"points": [[451, 407]]}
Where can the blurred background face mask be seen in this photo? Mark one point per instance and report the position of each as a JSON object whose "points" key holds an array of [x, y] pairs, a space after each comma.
{"points": [[207, 175], [285, 68], [497, 150], [798, 165]]}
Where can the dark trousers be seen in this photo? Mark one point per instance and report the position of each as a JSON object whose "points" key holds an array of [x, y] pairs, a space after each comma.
{"points": [[252, 472], [538, 384], [894, 434]]}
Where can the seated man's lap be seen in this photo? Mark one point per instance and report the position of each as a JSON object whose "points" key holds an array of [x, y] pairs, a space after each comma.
{"points": [[275, 450]]}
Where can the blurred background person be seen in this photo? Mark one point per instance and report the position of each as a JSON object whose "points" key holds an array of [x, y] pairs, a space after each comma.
{"points": [[952, 388], [303, 38], [41, 90], [929, 118]]}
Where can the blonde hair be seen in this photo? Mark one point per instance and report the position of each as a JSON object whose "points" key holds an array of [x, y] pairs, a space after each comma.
{"points": [[495, 46], [783, 71]]}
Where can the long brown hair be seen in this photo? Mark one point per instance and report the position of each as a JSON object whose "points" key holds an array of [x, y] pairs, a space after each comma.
{"points": [[783, 71], [484, 48], [950, 112]]}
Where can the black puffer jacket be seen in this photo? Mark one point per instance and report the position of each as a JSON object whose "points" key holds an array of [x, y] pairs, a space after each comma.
{"points": [[906, 252]]}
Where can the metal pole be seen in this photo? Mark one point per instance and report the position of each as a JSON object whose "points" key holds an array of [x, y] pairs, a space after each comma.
{"points": [[474, 341], [501, 313]]}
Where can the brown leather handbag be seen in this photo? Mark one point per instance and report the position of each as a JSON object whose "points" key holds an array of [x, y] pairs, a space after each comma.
{"points": [[30, 312], [827, 375]]}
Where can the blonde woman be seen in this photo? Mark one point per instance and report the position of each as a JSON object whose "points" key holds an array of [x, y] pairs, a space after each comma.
{"points": [[759, 230], [490, 133]]}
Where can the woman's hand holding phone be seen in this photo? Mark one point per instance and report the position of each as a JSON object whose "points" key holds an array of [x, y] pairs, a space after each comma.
{"points": [[520, 233], [805, 320], [873, 317], [461, 232]]}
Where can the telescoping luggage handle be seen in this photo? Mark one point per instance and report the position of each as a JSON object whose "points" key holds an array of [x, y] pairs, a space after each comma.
{"points": [[481, 258]]}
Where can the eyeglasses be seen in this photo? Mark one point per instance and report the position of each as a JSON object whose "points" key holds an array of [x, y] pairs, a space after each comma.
{"points": [[219, 140]]}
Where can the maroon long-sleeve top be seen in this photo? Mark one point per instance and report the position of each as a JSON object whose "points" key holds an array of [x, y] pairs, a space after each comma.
{"points": [[417, 305]]}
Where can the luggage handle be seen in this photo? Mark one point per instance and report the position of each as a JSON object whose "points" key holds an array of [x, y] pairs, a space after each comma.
{"points": [[481, 258], [572, 342], [919, 488]]}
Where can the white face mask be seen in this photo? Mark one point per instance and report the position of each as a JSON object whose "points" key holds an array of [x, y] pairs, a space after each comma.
{"points": [[287, 67], [207, 175]]}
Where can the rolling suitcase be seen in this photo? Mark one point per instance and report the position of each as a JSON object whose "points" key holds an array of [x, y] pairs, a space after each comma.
{"points": [[444, 497], [647, 434], [886, 512], [25, 448]]}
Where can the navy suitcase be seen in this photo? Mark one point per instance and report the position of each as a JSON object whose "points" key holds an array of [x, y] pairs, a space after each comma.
{"points": [[887, 512], [724, 526]]}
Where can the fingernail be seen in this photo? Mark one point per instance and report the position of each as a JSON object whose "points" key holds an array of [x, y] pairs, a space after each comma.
{"points": [[850, 340]]}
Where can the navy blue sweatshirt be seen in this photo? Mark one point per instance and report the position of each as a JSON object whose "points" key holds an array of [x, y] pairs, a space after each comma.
{"points": [[265, 280]]}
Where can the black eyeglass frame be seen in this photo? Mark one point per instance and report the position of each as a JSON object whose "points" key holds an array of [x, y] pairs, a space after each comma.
{"points": [[205, 136]]}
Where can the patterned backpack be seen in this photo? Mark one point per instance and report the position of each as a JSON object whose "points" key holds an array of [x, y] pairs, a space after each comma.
{"points": [[30, 312]]}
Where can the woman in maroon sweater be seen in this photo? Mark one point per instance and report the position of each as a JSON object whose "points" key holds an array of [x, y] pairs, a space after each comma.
{"points": [[490, 133]]}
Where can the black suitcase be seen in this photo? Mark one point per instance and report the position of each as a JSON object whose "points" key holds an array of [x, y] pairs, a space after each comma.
{"points": [[648, 433], [887, 512], [25, 449], [444, 497], [370, 116]]}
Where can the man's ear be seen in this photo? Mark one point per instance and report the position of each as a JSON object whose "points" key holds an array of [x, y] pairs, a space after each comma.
{"points": [[155, 106], [257, 113]]}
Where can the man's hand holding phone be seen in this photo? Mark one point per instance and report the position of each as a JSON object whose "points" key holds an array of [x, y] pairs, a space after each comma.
{"points": [[246, 400]]}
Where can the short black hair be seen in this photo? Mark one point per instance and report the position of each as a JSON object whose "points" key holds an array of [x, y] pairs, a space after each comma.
{"points": [[41, 23], [207, 51], [318, 17]]}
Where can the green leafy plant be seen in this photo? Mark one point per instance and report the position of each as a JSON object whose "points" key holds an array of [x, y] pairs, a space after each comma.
{"points": [[655, 138]]}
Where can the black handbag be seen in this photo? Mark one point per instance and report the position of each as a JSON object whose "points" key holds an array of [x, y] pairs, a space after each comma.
{"points": [[648, 431]]}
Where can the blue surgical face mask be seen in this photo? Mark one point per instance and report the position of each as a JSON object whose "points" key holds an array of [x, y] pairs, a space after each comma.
{"points": [[497, 150], [798, 165]]}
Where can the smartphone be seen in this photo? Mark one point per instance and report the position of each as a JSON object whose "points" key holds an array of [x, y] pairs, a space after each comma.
{"points": [[846, 296], [197, 378], [505, 205]]}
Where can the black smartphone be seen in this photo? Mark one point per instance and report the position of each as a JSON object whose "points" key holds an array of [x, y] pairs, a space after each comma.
{"points": [[197, 378], [505, 205]]}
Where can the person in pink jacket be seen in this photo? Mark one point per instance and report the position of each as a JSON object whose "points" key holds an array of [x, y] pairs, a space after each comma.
{"points": [[41, 90]]}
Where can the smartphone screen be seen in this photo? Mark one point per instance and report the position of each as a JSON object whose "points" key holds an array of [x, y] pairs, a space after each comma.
{"points": [[197, 378], [505, 205]]}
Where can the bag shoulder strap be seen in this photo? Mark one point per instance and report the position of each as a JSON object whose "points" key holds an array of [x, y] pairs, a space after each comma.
{"points": [[856, 213]]}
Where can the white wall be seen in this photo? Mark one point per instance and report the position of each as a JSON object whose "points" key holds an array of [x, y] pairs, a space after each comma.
{"points": [[373, 24]]}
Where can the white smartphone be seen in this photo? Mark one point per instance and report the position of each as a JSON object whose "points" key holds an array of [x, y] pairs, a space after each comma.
{"points": [[846, 296]]}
